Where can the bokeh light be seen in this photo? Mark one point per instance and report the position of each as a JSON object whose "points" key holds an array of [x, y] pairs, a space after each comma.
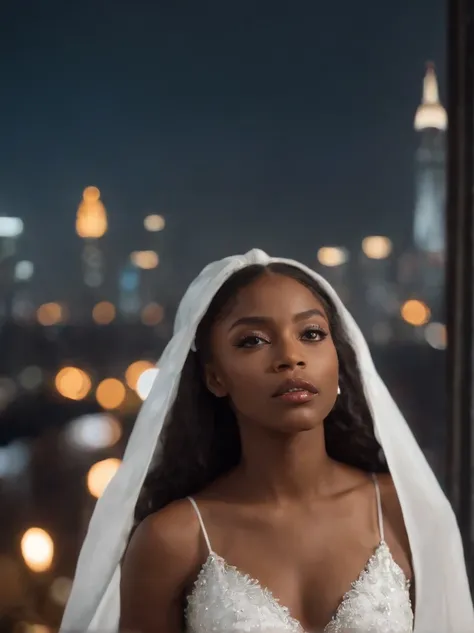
{"points": [[154, 223], [415, 312], [50, 314], [332, 256], [147, 260], [377, 247], [152, 314], [135, 370], [104, 313], [14, 459], [100, 475], [145, 382], [24, 270], [73, 383], [436, 335], [110, 393], [10, 227], [37, 549], [94, 432]]}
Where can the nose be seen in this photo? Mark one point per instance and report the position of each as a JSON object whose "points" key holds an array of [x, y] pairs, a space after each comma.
{"points": [[288, 355]]}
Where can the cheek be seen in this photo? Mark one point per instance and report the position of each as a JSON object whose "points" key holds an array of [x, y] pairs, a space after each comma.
{"points": [[243, 374], [323, 364], [333, 361], [240, 379]]}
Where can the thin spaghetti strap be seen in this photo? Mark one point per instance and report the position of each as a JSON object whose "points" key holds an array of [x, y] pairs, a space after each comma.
{"points": [[196, 509], [379, 507]]}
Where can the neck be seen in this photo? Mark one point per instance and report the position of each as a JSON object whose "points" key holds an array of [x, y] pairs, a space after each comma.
{"points": [[283, 467]]}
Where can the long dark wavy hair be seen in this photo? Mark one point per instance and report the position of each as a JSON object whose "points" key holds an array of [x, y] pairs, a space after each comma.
{"points": [[200, 440]]}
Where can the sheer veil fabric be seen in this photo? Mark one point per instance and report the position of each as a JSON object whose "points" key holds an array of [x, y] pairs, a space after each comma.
{"points": [[443, 601]]}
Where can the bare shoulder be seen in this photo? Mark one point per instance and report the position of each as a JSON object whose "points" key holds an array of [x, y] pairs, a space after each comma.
{"points": [[161, 561], [171, 532]]}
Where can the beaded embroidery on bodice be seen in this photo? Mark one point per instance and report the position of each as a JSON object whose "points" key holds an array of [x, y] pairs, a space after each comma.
{"points": [[225, 600]]}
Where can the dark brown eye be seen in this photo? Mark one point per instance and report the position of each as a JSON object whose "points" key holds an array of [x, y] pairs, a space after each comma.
{"points": [[314, 334], [251, 341]]}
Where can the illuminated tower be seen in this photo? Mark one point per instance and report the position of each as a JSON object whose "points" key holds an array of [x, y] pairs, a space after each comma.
{"points": [[91, 225], [431, 122], [10, 231]]}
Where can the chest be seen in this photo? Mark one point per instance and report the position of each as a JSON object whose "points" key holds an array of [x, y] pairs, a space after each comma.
{"points": [[226, 598], [301, 580]]}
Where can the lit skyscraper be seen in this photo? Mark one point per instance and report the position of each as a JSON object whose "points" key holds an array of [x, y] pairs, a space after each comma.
{"points": [[91, 226], [10, 231], [431, 122]]}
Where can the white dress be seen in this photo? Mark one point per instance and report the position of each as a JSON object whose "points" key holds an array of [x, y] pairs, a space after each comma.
{"points": [[225, 600]]}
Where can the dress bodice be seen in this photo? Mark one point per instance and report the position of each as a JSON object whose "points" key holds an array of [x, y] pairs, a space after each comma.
{"points": [[226, 600]]}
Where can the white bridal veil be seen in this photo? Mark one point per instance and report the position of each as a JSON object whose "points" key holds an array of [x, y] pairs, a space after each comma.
{"points": [[443, 602]]}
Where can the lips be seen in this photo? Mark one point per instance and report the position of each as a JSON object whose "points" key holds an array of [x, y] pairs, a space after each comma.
{"points": [[295, 385]]}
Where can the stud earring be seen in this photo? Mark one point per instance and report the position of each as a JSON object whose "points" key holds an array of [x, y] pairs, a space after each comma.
{"points": [[338, 390]]}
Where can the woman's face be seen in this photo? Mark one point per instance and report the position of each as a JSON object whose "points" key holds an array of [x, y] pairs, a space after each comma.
{"points": [[273, 356]]}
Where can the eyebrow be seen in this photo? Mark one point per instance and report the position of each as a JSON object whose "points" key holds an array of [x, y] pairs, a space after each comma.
{"points": [[263, 320]]}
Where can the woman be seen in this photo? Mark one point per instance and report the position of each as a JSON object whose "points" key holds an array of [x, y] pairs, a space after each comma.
{"points": [[269, 487]]}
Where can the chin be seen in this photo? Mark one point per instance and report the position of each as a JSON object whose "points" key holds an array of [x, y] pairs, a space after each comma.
{"points": [[297, 422]]}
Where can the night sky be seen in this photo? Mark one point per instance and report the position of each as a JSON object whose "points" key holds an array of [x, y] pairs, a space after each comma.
{"points": [[283, 125]]}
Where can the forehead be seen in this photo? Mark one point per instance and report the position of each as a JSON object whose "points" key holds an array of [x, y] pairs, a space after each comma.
{"points": [[272, 295]]}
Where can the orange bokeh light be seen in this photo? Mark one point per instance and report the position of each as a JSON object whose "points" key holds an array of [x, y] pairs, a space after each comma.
{"points": [[415, 312], [110, 393]]}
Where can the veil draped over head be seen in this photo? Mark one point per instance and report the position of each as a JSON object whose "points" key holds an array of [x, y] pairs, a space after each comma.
{"points": [[443, 602]]}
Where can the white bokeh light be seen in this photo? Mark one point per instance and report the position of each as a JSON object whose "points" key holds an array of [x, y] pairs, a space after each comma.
{"points": [[94, 432], [14, 459], [10, 227], [435, 335], [24, 270], [145, 382]]}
